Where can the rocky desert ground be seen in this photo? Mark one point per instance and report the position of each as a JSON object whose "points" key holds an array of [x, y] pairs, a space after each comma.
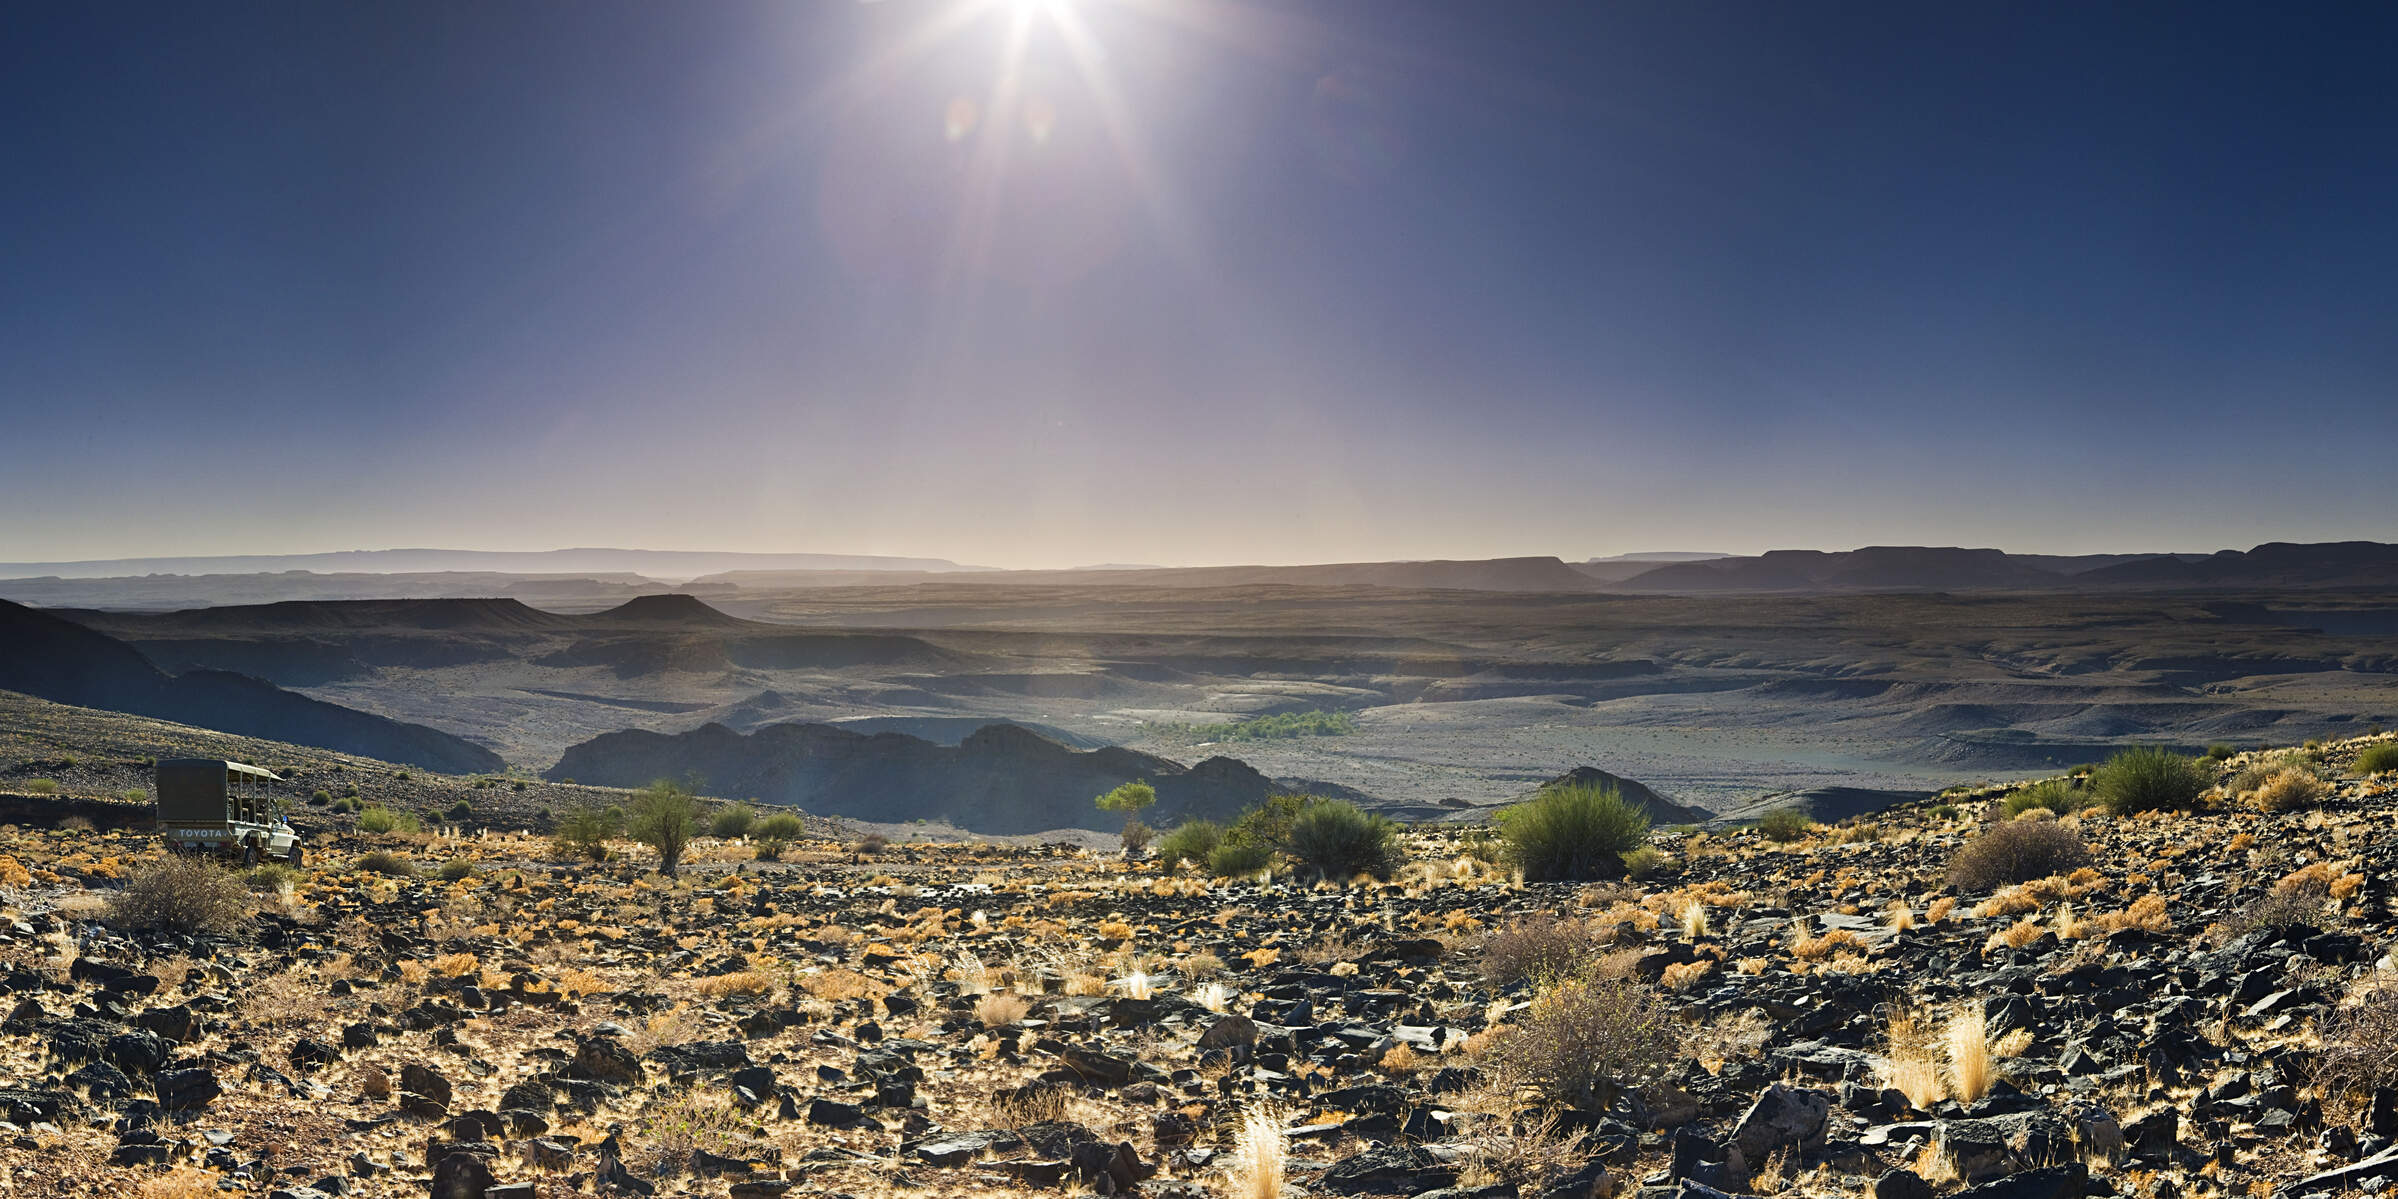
{"points": [[1996, 992]]}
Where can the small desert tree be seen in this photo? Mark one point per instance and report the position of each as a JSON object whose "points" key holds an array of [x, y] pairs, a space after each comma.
{"points": [[665, 816], [1131, 799]]}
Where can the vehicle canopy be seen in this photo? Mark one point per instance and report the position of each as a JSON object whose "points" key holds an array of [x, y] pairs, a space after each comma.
{"points": [[213, 791]]}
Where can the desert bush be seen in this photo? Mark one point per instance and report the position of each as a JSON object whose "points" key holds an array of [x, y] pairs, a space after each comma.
{"points": [[1946, 811], [584, 833], [181, 894], [1784, 824], [2050, 795], [2017, 852], [459, 812], [775, 833], [1536, 949], [2360, 1046], [873, 843], [1191, 841], [380, 819], [2290, 790], [664, 817], [1136, 836], [456, 870], [1573, 833], [41, 786], [1131, 799], [2149, 779], [384, 861], [319, 798], [2221, 751], [2378, 759], [1233, 861], [346, 804], [732, 820], [1583, 1041], [2278, 909], [1000, 1008], [1335, 839]]}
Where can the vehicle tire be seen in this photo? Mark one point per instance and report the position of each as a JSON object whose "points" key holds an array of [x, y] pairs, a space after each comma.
{"points": [[249, 855], [293, 858]]}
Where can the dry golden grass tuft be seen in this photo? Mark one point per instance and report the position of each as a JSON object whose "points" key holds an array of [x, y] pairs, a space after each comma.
{"points": [[1260, 1155], [739, 982], [1971, 1068], [1816, 949]]}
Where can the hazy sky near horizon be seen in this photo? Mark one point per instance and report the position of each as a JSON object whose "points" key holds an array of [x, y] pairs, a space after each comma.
{"points": [[1195, 281]]}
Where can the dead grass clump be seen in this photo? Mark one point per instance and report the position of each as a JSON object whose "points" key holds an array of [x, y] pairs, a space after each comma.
{"points": [[1533, 1156], [1580, 1042], [1911, 1063], [1000, 1009], [2017, 935], [1537, 949], [181, 894], [837, 985], [2290, 791], [1816, 949], [2146, 914], [2360, 1046], [2017, 852], [183, 1182], [739, 982]]}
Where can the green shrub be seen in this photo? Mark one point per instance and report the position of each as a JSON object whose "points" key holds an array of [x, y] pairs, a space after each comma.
{"points": [[134, 795], [319, 798], [380, 819], [2148, 779], [459, 812], [1573, 833], [775, 833], [1946, 811], [1648, 861], [1279, 727], [732, 820], [41, 786], [2051, 795], [1268, 825], [2378, 759], [2221, 751], [664, 817], [1333, 838], [1191, 841], [384, 861], [347, 803], [2017, 852], [456, 870], [1236, 861], [181, 894], [1784, 824], [584, 833]]}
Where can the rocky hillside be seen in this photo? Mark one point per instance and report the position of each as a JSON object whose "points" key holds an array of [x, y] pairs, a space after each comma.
{"points": [[2178, 1004], [43, 655], [1001, 779]]}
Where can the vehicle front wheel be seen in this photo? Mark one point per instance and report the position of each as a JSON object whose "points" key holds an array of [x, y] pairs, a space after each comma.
{"points": [[293, 858], [249, 855]]}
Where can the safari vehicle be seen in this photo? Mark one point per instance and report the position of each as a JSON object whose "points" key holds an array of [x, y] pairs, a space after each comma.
{"points": [[206, 805]]}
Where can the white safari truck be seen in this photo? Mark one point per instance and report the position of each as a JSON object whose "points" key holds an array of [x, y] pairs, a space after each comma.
{"points": [[210, 806]]}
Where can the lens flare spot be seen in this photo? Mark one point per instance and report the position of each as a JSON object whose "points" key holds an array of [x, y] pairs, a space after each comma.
{"points": [[1040, 119], [959, 120]]}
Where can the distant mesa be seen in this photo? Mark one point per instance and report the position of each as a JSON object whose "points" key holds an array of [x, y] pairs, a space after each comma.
{"points": [[58, 660], [1001, 779], [671, 608]]}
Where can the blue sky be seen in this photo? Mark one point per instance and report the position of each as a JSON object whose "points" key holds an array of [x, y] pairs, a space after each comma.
{"points": [[1195, 281]]}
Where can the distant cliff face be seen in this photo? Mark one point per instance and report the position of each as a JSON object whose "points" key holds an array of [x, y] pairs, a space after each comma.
{"points": [[1001, 779], [60, 661]]}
